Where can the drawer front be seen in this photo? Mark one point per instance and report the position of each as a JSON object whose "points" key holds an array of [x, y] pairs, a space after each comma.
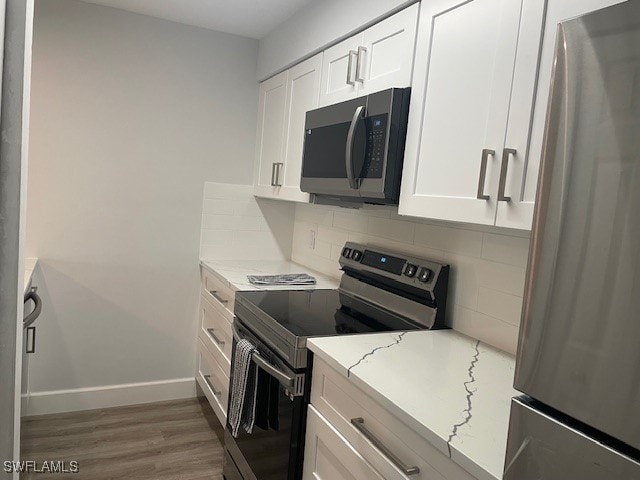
{"points": [[215, 332], [378, 436], [328, 456], [221, 296], [213, 381]]}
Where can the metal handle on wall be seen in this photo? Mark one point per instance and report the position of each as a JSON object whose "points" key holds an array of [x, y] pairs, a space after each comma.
{"points": [[483, 173], [353, 182], [503, 174], [361, 52], [359, 424], [350, 67], [32, 295]]}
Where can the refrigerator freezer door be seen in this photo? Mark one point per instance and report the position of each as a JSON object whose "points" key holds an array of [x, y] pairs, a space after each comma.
{"points": [[579, 346], [542, 448]]}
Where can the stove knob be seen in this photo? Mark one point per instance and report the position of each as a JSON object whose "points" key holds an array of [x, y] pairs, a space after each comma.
{"points": [[346, 252], [356, 255], [410, 270], [424, 275]]}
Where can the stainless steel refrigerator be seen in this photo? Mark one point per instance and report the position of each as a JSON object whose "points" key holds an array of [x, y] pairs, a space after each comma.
{"points": [[578, 362]]}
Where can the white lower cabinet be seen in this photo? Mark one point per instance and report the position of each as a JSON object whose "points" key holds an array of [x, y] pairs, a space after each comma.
{"points": [[328, 455], [351, 436], [215, 340]]}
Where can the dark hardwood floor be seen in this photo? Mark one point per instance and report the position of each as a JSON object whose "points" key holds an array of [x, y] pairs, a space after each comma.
{"points": [[163, 441]]}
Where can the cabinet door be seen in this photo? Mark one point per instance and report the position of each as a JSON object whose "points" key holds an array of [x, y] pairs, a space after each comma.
{"points": [[271, 134], [328, 456], [461, 87], [339, 71], [385, 59], [303, 92], [522, 174]]}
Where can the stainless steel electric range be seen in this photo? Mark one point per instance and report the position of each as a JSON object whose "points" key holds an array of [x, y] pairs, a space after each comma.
{"points": [[379, 291]]}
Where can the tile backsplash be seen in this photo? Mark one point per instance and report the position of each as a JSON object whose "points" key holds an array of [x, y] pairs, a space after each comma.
{"points": [[236, 225], [487, 264]]}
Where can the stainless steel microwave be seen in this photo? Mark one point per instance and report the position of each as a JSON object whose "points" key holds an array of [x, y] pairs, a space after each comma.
{"points": [[353, 151]]}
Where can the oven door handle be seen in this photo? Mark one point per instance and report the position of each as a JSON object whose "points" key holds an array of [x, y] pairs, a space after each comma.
{"points": [[283, 378], [348, 158]]}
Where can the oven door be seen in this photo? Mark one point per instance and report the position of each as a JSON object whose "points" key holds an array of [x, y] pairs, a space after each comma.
{"points": [[274, 453]]}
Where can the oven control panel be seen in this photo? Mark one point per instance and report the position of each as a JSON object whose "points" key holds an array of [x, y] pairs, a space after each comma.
{"points": [[417, 272]]}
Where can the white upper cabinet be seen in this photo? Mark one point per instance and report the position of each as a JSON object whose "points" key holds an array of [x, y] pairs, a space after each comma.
{"points": [[521, 179], [271, 134], [339, 71], [381, 57], [470, 57], [284, 102]]}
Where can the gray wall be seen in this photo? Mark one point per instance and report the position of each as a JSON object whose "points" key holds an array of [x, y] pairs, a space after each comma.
{"points": [[317, 25], [130, 116]]}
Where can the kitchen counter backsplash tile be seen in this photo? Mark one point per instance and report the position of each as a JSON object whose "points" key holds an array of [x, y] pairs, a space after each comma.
{"points": [[236, 225], [487, 264]]}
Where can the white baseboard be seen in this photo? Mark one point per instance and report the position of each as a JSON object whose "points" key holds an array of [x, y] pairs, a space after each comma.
{"points": [[59, 401]]}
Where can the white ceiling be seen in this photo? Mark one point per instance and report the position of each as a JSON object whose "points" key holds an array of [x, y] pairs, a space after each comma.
{"points": [[249, 18]]}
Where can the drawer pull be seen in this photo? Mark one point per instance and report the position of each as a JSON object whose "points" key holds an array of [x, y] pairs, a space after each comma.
{"points": [[359, 424], [207, 378], [214, 294], [215, 338]]}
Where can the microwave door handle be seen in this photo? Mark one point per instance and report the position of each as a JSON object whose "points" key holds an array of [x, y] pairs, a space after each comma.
{"points": [[353, 182]]}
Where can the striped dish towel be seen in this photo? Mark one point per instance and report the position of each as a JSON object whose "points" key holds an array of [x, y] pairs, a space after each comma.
{"points": [[242, 407]]}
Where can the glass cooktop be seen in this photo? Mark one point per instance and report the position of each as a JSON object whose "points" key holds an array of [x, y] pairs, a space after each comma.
{"points": [[312, 313]]}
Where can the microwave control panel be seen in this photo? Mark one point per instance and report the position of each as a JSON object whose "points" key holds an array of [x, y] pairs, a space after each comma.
{"points": [[376, 145]]}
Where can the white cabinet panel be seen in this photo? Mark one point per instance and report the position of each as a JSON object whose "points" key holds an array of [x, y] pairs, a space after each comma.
{"points": [[380, 57], [387, 58], [522, 176], [472, 103], [303, 92], [271, 132], [461, 88], [328, 456], [339, 71]]}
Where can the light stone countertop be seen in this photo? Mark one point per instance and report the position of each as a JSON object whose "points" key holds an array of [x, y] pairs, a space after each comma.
{"points": [[451, 389], [234, 273]]}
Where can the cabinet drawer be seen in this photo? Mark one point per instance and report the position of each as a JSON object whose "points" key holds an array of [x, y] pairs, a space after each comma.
{"points": [[328, 455], [340, 402], [215, 332], [221, 296], [213, 381]]}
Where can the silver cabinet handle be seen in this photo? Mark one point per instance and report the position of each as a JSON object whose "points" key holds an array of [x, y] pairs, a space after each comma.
{"points": [[273, 174], [350, 67], [215, 338], [277, 183], [483, 173], [207, 378], [359, 424], [214, 294], [503, 174], [353, 182], [361, 52]]}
